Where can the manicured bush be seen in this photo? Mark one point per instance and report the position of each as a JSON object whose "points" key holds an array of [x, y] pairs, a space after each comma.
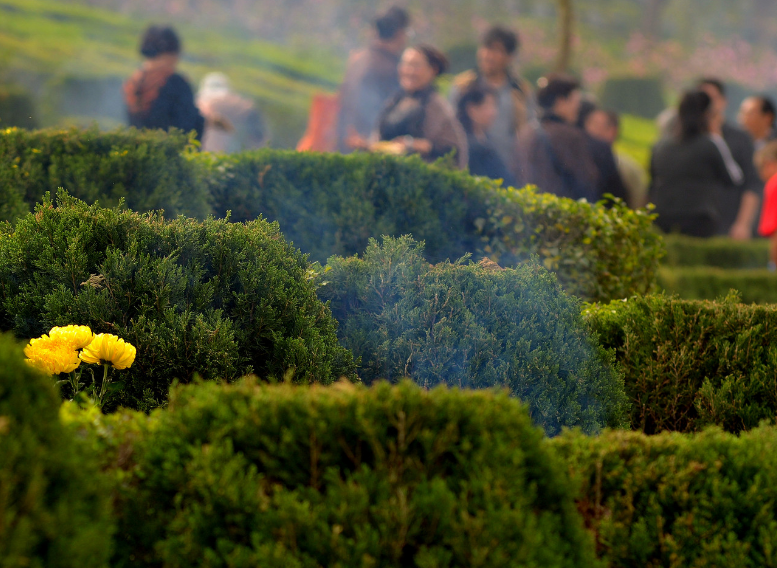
{"points": [[17, 108], [689, 364], [721, 252], [216, 298], [706, 283], [251, 475], [474, 326], [146, 169], [708, 499], [640, 96], [331, 204], [54, 508]]}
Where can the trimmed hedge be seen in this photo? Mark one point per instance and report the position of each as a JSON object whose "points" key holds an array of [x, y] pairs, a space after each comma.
{"points": [[216, 298], [474, 326], [332, 204], [640, 96], [281, 476], [678, 500], [720, 252], [705, 283], [146, 169], [17, 108], [690, 364], [55, 510]]}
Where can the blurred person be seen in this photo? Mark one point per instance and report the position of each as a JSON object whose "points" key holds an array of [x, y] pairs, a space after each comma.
{"points": [[555, 155], [418, 120], [737, 205], [477, 109], [605, 125], [156, 95], [495, 56], [371, 77], [689, 169], [610, 181], [757, 115], [232, 122], [766, 162]]}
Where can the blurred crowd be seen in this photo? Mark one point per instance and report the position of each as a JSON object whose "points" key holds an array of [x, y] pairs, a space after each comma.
{"points": [[706, 177]]}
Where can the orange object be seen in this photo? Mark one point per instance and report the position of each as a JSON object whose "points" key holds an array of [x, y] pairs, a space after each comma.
{"points": [[321, 133]]}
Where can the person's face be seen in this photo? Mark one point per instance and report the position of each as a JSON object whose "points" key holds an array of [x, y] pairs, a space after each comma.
{"points": [[493, 59], [415, 73], [719, 102], [568, 107], [752, 119], [598, 125], [484, 114]]}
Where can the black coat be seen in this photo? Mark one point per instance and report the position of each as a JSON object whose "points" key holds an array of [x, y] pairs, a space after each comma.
{"points": [[173, 108], [484, 160]]}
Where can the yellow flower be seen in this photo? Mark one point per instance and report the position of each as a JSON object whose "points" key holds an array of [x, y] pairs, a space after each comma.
{"points": [[107, 348], [51, 355], [78, 336]]}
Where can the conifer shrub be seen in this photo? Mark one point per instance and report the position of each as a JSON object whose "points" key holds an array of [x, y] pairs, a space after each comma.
{"points": [[474, 326], [705, 499], [145, 168], [215, 298], [279, 476], [55, 509], [691, 364]]}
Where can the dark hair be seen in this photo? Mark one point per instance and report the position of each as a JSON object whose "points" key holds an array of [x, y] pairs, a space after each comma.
{"points": [[158, 40], [587, 107], [391, 23], [556, 87], [434, 57], [508, 38], [692, 114], [712, 82], [475, 95], [613, 117], [767, 106]]}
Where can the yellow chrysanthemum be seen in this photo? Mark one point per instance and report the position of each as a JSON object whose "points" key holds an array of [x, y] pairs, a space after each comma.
{"points": [[51, 355], [79, 336], [107, 348]]}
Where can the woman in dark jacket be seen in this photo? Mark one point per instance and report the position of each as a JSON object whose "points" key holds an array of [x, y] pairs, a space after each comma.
{"points": [[476, 111], [157, 96], [688, 169]]}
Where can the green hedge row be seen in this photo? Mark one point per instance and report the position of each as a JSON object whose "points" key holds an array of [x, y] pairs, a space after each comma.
{"points": [[474, 326], [330, 204], [720, 252], [689, 364], [709, 283], [215, 298]]}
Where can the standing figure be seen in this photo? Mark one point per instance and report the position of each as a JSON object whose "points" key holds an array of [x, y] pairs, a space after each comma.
{"points": [[610, 181], [371, 77], [757, 115], [157, 96]]}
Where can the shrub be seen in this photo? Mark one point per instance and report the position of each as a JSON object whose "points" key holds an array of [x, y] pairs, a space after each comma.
{"points": [[721, 252], [689, 364], [705, 283], [678, 500], [54, 509], [331, 204], [640, 96], [146, 169], [216, 298], [346, 476], [474, 326]]}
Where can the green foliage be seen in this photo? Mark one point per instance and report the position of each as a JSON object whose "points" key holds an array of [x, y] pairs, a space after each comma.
{"points": [[332, 204], [17, 108], [249, 475], [146, 169], [634, 95], [703, 283], [720, 252], [678, 500], [690, 364], [474, 326], [54, 509], [637, 138], [216, 298]]}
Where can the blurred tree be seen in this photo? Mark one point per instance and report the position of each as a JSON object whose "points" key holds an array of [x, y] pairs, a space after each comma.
{"points": [[566, 21], [651, 18]]}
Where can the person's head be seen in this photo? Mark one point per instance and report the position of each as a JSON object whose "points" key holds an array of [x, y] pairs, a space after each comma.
{"points": [[476, 109], [766, 161], [757, 115], [560, 94], [603, 125], [420, 66], [716, 90], [694, 114], [391, 29], [497, 49], [160, 41], [587, 106]]}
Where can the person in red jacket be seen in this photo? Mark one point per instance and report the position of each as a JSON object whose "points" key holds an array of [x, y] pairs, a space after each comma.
{"points": [[766, 162]]}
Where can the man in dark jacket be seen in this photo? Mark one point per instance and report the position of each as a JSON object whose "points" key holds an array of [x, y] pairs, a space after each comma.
{"points": [[737, 205], [555, 156], [371, 77]]}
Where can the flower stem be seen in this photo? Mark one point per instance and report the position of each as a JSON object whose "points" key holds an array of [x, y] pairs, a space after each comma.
{"points": [[104, 386]]}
